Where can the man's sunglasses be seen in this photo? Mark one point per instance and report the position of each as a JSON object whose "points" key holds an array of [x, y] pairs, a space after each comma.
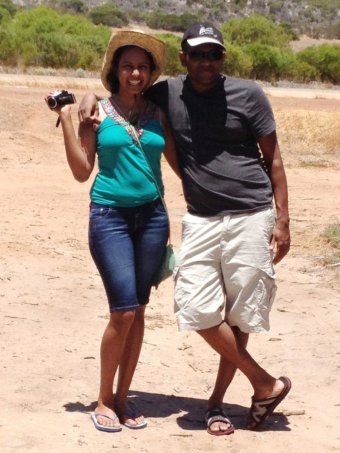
{"points": [[210, 55]]}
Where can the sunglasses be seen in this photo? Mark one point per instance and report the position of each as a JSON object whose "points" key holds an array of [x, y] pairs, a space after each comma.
{"points": [[210, 55]]}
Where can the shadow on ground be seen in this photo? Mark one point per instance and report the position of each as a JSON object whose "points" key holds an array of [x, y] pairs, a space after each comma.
{"points": [[190, 411]]}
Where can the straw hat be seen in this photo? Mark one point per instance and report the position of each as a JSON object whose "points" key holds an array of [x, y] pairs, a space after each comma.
{"points": [[153, 45]]}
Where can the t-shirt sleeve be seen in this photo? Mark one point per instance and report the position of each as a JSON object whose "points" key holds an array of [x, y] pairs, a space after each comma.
{"points": [[259, 112], [158, 94]]}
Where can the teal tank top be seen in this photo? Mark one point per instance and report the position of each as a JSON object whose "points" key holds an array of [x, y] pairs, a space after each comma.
{"points": [[124, 177]]}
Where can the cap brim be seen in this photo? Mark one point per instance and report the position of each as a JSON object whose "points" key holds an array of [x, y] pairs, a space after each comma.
{"points": [[203, 40]]}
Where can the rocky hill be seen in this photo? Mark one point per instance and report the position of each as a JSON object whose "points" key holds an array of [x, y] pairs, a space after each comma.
{"points": [[316, 18]]}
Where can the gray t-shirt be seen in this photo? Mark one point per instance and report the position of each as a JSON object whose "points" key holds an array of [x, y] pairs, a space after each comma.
{"points": [[216, 134]]}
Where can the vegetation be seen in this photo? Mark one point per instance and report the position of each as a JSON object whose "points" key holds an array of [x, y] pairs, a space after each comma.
{"points": [[256, 29], [171, 22], [68, 6], [332, 237], [173, 44], [315, 18], [325, 59], [44, 37], [108, 14], [9, 6], [256, 47]]}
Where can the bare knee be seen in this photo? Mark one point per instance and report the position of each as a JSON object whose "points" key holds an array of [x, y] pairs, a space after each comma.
{"points": [[121, 321]]}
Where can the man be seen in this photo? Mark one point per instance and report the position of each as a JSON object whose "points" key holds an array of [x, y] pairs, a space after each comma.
{"points": [[231, 169]]}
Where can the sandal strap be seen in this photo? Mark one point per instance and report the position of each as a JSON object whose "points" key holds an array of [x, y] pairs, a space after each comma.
{"points": [[100, 414], [216, 414], [218, 418]]}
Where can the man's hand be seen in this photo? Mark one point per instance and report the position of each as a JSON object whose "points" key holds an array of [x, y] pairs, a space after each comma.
{"points": [[88, 111], [280, 242]]}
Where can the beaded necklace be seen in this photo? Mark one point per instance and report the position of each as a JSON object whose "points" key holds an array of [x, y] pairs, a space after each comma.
{"points": [[119, 118]]}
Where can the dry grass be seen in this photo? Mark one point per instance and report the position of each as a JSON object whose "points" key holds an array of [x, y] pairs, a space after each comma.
{"points": [[309, 138], [305, 41]]}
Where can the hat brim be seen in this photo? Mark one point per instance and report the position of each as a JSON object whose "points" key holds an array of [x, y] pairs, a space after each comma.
{"points": [[203, 40], [151, 44]]}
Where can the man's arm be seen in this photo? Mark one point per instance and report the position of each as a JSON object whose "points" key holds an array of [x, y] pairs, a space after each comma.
{"points": [[170, 151], [88, 109], [272, 157]]}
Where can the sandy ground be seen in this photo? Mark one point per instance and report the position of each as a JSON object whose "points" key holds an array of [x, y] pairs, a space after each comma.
{"points": [[53, 307]]}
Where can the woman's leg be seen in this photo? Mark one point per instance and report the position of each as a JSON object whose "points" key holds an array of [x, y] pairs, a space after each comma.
{"points": [[111, 352], [111, 247], [127, 366], [149, 240]]}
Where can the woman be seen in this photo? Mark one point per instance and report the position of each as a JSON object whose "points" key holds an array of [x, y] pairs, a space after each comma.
{"points": [[128, 228]]}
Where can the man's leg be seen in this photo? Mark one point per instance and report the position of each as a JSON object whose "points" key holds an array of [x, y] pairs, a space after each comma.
{"points": [[200, 293], [225, 375], [224, 341], [226, 372]]}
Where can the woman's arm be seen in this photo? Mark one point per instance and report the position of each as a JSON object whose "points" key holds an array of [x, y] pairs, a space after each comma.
{"points": [[81, 150]]}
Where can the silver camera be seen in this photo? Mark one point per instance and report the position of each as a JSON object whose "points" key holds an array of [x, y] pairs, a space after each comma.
{"points": [[60, 98]]}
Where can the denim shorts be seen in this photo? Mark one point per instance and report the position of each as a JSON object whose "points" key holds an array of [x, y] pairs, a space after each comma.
{"points": [[127, 246], [225, 262]]}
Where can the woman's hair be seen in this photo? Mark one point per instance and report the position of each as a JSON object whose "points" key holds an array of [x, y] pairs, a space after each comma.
{"points": [[112, 76]]}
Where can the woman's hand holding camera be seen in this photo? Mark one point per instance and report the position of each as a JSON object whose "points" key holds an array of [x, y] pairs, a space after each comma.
{"points": [[60, 101]]}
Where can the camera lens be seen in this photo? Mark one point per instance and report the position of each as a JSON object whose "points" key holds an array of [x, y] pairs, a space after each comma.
{"points": [[52, 102]]}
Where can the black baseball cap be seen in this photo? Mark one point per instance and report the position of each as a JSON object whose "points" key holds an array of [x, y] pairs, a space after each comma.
{"points": [[202, 33]]}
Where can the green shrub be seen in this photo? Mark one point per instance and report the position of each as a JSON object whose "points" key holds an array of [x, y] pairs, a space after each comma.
{"points": [[5, 16], [325, 59], [332, 235], [44, 37], [171, 22], [290, 31], [276, 7], [255, 29], [8, 47], [237, 63], [302, 72], [108, 14], [68, 6], [136, 16], [256, 47], [173, 45], [9, 6], [267, 61]]}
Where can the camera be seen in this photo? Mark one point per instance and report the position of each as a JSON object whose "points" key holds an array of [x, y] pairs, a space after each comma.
{"points": [[60, 98]]}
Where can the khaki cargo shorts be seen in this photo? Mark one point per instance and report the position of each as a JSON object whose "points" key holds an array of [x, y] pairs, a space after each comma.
{"points": [[225, 262]]}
